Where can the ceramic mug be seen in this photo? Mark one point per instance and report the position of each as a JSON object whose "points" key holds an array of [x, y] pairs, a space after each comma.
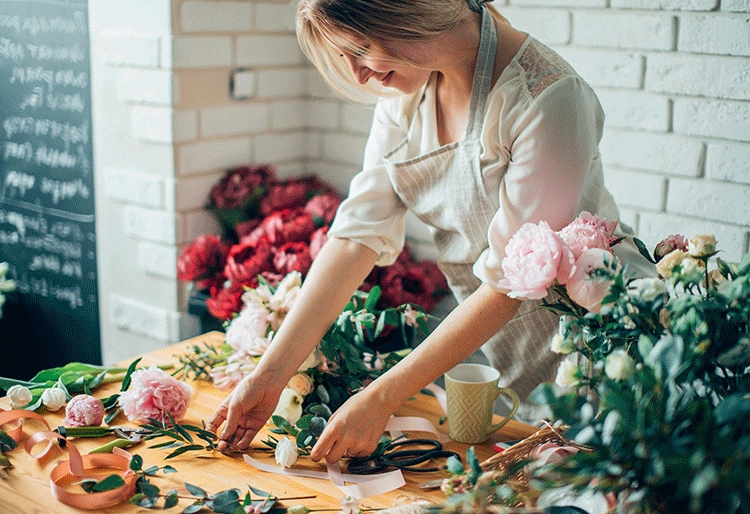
{"points": [[471, 391]]}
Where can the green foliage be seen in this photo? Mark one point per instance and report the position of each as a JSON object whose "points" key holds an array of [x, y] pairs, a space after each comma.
{"points": [[672, 432]]}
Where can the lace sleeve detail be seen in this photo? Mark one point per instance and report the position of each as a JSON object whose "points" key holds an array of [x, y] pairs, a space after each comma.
{"points": [[543, 67]]}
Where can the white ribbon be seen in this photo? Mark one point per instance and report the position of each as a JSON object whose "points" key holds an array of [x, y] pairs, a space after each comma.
{"points": [[363, 486]]}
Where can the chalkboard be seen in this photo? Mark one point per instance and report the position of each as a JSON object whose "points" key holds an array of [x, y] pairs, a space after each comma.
{"points": [[47, 233]]}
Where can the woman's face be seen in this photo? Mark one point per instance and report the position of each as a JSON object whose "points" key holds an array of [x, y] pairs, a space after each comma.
{"points": [[373, 62]]}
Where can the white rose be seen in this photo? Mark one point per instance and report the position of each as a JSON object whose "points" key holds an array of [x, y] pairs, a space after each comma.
{"points": [[19, 395], [647, 288], [567, 374], [286, 452], [619, 365], [53, 398], [561, 345], [289, 406]]}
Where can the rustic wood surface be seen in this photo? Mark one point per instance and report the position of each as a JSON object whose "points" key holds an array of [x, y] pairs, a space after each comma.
{"points": [[24, 489]]}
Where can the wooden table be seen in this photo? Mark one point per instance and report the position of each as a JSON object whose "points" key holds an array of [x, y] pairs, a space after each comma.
{"points": [[24, 489]]}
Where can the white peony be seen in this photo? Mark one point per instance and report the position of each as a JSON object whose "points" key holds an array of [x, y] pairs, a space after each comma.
{"points": [[289, 406], [619, 365], [19, 395], [54, 398], [286, 452], [250, 324], [567, 374]]}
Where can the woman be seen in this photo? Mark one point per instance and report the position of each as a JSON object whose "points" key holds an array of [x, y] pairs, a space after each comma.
{"points": [[480, 129]]}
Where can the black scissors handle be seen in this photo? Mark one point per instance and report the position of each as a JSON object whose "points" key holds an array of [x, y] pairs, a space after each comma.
{"points": [[406, 459]]}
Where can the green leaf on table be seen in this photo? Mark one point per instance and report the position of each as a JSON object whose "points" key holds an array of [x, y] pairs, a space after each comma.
{"points": [[171, 499], [148, 502], [226, 502], [195, 507], [168, 469], [112, 415], [151, 471], [183, 449], [258, 492], [184, 433], [196, 491], [148, 488], [136, 463], [109, 483]]}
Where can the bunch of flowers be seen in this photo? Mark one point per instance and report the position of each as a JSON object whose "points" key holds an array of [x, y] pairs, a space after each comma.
{"points": [[273, 227], [347, 359], [656, 381]]}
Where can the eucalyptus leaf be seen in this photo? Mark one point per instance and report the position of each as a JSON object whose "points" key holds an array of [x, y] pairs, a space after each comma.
{"points": [[226, 502], [108, 483], [148, 488], [195, 507], [171, 499], [196, 491]]}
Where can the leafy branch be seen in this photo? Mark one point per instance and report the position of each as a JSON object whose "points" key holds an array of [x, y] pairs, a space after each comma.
{"points": [[181, 436]]}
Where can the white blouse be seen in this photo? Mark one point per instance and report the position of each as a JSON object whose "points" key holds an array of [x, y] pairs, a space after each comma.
{"points": [[540, 158]]}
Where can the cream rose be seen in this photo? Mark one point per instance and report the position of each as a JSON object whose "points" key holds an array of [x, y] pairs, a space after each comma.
{"points": [[668, 263], [301, 383], [702, 246], [561, 345], [619, 365]]}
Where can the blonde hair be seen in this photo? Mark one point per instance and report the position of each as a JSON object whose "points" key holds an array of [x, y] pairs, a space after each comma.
{"points": [[361, 21]]}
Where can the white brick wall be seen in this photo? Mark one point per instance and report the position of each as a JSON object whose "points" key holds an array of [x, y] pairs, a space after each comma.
{"points": [[672, 75]]}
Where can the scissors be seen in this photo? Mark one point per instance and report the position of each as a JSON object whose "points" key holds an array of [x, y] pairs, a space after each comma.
{"points": [[406, 454], [133, 434]]}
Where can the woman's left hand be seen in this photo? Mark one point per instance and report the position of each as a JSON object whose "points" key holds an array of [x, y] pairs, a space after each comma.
{"points": [[355, 428]]}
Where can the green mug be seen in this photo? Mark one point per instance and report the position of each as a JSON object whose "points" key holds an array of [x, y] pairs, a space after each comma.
{"points": [[471, 391]]}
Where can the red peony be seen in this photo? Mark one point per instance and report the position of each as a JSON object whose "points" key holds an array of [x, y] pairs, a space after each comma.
{"points": [[323, 207], [434, 275], [246, 260], [288, 225], [317, 240], [401, 284], [292, 256], [202, 260], [227, 302], [286, 195], [239, 184]]}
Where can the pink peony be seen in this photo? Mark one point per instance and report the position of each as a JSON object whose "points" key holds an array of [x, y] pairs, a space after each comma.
{"points": [[582, 288], [153, 393], [84, 411], [534, 258], [588, 231]]}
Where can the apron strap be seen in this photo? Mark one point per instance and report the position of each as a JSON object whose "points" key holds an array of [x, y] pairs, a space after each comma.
{"points": [[480, 88]]}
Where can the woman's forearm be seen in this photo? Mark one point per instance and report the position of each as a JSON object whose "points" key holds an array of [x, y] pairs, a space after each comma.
{"points": [[336, 273], [459, 335]]}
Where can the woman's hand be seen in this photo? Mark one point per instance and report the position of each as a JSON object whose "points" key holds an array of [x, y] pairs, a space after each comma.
{"points": [[245, 410], [355, 428]]}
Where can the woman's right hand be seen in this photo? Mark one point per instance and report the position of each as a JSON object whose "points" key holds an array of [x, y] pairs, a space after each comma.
{"points": [[245, 411]]}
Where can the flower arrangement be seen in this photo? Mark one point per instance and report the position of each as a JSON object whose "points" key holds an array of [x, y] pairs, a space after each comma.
{"points": [[656, 381], [272, 227], [349, 356]]}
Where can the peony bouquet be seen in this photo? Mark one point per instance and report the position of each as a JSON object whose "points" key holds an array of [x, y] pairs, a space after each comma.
{"points": [[656, 378], [273, 227]]}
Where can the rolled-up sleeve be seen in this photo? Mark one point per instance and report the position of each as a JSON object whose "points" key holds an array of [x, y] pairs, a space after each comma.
{"points": [[554, 150], [372, 214]]}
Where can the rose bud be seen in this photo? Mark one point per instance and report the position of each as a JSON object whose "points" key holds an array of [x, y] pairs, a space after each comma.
{"points": [[668, 245]]}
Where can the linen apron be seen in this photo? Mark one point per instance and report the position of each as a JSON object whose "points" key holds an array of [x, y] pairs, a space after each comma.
{"points": [[445, 189]]}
